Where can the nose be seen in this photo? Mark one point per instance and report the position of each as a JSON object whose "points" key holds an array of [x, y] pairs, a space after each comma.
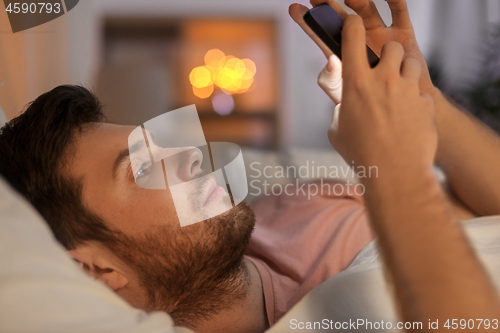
{"points": [[190, 164]]}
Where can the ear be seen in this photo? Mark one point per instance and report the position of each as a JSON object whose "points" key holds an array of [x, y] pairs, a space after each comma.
{"points": [[97, 261]]}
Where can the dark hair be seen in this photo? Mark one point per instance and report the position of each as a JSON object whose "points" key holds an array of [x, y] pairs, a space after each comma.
{"points": [[33, 150]]}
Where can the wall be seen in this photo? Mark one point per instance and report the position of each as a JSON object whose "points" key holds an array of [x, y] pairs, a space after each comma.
{"points": [[68, 50], [31, 62], [453, 27]]}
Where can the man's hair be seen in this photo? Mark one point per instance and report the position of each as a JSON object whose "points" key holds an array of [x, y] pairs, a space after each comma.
{"points": [[33, 152]]}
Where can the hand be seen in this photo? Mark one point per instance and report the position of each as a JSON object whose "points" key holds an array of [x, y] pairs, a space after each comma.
{"points": [[384, 119], [377, 34]]}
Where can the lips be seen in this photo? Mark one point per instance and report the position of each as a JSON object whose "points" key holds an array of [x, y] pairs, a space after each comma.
{"points": [[213, 192]]}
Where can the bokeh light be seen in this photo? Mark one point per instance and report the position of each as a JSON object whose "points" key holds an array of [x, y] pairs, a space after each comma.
{"points": [[232, 75], [215, 58], [223, 103], [203, 92], [201, 77]]}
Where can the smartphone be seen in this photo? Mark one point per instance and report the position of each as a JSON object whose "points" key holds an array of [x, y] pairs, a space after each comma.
{"points": [[327, 25]]}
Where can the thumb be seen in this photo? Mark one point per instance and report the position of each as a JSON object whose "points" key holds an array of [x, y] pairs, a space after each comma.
{"points": [[330, 79], [334, 127], [335, 118]]}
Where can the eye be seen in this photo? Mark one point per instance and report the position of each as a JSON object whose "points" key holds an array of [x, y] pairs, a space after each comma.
{"points": [[143, 171]]}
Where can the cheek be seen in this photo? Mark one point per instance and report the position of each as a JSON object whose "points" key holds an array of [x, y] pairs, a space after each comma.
{"points": [[155, 207], [144, 209]]}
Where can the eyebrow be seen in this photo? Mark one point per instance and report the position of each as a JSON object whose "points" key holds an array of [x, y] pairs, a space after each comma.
{"points": [[124, 154]]}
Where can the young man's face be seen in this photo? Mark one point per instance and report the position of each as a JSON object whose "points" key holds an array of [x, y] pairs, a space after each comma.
{"points": [[102, 159], [156, 248]]}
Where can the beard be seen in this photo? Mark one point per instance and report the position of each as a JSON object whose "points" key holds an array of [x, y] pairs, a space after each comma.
{"points": [[192, 272]]}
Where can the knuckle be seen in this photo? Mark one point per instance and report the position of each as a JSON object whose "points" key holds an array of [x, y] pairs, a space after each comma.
{"points": [[353, 24], [391, 81], [354, 19], [356, 30], [393, 46], [413, 62], [354, 4]]}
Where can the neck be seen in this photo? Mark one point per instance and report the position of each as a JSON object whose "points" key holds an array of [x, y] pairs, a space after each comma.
{"points": [[247, 315]]}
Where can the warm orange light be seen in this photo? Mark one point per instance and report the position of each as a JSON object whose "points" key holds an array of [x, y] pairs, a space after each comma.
{"points": [[215, 58], [229, 73], [245, 84], [201, 77], [204, 92], [250, 65], [234, 68]]}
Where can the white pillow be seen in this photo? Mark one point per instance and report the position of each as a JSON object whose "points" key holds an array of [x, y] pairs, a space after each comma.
{"points": [[43, 290]]}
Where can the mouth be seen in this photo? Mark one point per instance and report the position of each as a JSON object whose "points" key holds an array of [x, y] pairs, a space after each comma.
{"points": [[213, 192]]}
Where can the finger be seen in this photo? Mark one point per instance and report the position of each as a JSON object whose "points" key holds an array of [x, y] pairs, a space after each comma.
{"points": [[330, 79], [335, 119], [353, 46], [400, 15], [368, 12], [412, 69], [297, 12], [392, 56], [334, 4]]}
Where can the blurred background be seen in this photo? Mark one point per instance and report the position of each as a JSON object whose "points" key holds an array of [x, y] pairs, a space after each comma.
{"points": [[247, 66]]}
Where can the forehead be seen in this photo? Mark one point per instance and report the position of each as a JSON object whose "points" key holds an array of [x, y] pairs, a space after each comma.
{"points": [[94, 151], [99, 142], [111, 133]]}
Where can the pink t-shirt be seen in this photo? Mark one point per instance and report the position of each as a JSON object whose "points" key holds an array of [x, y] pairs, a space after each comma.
{"points": [[299, 243]]}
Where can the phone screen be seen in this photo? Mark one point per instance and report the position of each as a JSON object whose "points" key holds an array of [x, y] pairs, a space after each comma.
{"points": [[327, 25]]}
